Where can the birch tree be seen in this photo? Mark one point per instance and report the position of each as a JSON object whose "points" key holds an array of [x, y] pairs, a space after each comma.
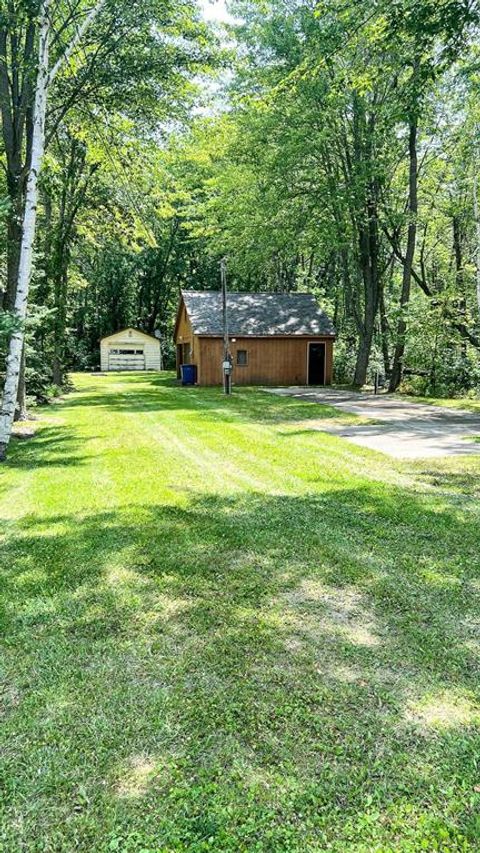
{"points": [[476, 213], [45, 78]]}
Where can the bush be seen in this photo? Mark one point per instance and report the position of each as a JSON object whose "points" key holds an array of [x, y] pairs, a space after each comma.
{"points": [[416, 386]]}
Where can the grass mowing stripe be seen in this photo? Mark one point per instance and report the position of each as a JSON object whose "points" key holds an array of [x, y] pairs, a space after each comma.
{"points": [[274, 653]]}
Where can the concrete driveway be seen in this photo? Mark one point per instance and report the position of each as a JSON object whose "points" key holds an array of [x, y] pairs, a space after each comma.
{"points": [[402, 429]]}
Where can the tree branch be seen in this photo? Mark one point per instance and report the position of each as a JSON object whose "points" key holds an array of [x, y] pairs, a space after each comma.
{"points": [[79, 33]]}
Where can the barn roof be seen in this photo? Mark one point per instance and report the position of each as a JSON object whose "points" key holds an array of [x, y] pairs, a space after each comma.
{"points": [[257, 314], [129, 329]]}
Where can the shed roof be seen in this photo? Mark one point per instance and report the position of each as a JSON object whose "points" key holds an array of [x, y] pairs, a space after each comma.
{"points": [[129, 329], [256, 314]]}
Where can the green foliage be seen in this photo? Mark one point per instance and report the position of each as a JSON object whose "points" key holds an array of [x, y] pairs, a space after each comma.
{"points": [[310, 167], [297, 172], [7, 325], [103, 199]]}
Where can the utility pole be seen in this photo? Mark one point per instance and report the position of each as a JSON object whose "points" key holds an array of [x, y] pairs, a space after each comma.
{"points": [[227, 366]]}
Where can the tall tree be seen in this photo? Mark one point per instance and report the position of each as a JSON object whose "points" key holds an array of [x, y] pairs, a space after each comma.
{"points": [[412, 207], [46, 75]]}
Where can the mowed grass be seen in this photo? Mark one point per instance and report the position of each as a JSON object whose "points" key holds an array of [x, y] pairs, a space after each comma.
{"points": [[468, 404], [223, 631]]}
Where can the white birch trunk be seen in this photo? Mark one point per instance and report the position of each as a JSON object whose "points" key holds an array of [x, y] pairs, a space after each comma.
{"points": [[477, 229], [14, 357], [44, 78], [79, 33]]}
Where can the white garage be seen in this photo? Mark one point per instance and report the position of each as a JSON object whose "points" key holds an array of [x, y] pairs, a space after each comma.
{"points": [[130, 349]]}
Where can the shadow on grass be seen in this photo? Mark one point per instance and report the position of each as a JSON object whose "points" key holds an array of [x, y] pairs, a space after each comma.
{"points": [[293, 670], [48, 447], [147, 393], [461, 482]]}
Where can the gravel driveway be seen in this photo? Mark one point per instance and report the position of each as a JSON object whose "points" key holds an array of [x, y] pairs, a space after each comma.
{"points": [[402, 429]]}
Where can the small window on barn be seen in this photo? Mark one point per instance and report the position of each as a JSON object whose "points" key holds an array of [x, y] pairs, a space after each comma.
{"points": [[242, 358]]}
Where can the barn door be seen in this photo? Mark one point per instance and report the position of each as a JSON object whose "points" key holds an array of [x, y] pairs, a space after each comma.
{"points": [[316, 364], [127, 358]]}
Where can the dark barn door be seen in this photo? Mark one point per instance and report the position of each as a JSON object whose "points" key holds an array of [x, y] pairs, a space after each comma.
{"points": [[316, 364]]}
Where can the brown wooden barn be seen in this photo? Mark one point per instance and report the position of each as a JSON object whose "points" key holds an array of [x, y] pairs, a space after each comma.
{"points": [[275, 338]]}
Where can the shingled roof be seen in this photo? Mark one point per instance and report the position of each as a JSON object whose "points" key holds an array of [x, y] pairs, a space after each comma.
{"points": [[256, 314]]}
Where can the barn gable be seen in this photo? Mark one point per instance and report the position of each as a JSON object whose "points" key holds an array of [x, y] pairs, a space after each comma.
{"points": [[128, 333]]}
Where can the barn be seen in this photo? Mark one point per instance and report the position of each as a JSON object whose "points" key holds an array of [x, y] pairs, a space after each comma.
{"points": [[130, 349], [275, 338]]}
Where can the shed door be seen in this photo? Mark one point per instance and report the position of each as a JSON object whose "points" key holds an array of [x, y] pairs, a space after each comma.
{"points": [[126, 358], [316, 364]]}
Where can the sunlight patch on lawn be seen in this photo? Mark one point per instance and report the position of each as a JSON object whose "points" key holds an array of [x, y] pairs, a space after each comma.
{"points": [[35, 609], [30, 578], [360, 635], [165, 609], [10, 698], [445, 710], [137, 776], [132, 589], [255, 777], [441, 580], [313, 609], [341, 672], [122, 576], [469, 628]]}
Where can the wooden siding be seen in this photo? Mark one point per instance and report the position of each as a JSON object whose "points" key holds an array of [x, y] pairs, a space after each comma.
{"points": [[184, 335], [131, 338], [270, 361]]}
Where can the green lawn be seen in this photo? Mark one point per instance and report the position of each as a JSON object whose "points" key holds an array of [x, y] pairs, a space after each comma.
{"points": [[469, 404], [223, 631]]}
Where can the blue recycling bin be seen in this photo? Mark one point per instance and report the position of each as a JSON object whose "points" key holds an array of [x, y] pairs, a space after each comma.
{"points": [[189, 374]]}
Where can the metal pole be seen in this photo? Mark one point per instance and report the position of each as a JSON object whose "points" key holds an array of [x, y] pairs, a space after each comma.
{"points": [[227, 359]]}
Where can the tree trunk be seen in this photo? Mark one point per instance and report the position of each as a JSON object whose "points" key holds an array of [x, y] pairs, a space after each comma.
{"points": [[44, 79], [397, 366], [363, 357], [59, 331], [365, 220], [16, 343], [75, 184], [14, 238], [17, 130], [461, 301], [21, 413], [477, 230], [371, 286], [384, 334]]}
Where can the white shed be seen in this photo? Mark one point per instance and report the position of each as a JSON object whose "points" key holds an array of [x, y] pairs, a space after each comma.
{"points": [[130, 349]]}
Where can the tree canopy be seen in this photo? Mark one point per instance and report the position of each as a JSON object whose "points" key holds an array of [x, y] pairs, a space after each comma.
{"points": [[331, 147]]}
